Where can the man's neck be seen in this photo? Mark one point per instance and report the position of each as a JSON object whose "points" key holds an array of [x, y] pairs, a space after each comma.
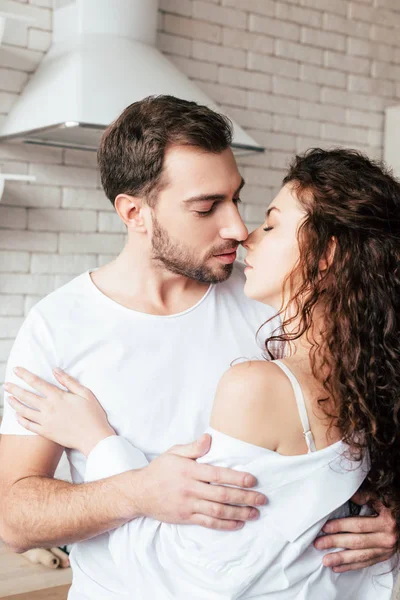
{"points": [[134, 282]]}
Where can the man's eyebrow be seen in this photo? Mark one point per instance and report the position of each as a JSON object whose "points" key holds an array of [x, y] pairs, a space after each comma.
{"points": [[269, 211], [205, 197]]}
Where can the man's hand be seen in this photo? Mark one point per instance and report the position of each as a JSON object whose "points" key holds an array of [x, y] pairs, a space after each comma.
{"points": [[175, 488], [368, 540]]}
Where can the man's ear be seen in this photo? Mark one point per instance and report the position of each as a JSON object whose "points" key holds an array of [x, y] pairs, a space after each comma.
{"points": [[130, 210], [326, 262]]}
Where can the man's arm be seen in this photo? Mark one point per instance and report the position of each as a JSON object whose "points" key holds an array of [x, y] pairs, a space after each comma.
{"points": [[37, 510]]}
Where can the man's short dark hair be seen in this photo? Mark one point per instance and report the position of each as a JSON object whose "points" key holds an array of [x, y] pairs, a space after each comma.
{"points": [[132, 149]]}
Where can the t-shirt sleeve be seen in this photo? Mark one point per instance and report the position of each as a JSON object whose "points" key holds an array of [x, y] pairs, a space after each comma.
{"points": [[34, 350], [112, 456]]}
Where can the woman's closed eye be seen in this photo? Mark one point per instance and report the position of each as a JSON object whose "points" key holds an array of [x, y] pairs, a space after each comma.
{"points": [[267, 229]]}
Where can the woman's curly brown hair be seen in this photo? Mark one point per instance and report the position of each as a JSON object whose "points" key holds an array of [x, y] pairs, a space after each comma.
{"points": [[354, 203]]}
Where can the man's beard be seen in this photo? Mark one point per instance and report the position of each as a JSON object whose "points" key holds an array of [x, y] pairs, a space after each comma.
{"points": [[179, 259]]}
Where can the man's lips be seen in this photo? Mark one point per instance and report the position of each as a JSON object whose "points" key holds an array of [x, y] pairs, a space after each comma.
{"points": [[227, 257]]}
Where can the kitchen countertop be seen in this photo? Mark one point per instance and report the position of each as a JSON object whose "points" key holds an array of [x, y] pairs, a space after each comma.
{"points": [[20, 579]]}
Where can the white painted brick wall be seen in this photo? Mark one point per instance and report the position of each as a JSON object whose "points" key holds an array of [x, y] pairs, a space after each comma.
{"points": [[294, 73]]}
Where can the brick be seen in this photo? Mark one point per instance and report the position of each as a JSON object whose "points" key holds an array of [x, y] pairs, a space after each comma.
{"points": [[25, 194], [63, 175], [30, 302], [323, 76], [53, 219], [272, 103], [224, 94], [245, 79], [5, 346], [62, 264], [279, 141], [80, 158], [348, 64], [219, 54], [270, 177], [12, 81], [193, 29], [367, 85], [304, 143], [299, 52], [26, 152], [323, 39], [7, 100], [9, 326], [23, 283], [296, 126], [346, 134], [386, 35], [11, 305], [338, 6], [250, 118], [110, 223], [14, 262], [85, 198], [44, 3], [258, 159], [15, 33], [179, 7], [375, 137], [322, 112], [104, 259], [300, 15], [28, 240], [385, 70], [91, 243], [343, 25], [262, 7], [61, 280], [254, 42], [295, 89], [196, 69], [365, 119], [351, 100], [275, 66], [12, 218], [280, 160], [39, 40], [274, 28], [14, 167], [221, 15], [20, 59], [174, 44], [254, 212], [253, 194]]}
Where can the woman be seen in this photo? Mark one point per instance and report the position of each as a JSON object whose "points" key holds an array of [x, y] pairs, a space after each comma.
{"points": [[312, 427]]}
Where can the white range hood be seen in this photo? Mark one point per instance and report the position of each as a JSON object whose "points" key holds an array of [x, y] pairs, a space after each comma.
{"points": [[102, 59]]}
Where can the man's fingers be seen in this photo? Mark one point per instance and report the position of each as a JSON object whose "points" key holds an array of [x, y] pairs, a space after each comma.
{"points": [[24, 411], [352, 557], [211, 523], [353, 525], [196, 449], [352, 541], [228, 495], [23, 395], [225, 512], [70, 383], [224, 476], [37, 383]]}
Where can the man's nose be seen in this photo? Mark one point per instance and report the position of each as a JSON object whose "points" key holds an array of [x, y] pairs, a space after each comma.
{"points": [[236, 230]]}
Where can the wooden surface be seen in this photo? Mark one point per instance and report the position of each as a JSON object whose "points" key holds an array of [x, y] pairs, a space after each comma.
{"points": [[19, 579]]}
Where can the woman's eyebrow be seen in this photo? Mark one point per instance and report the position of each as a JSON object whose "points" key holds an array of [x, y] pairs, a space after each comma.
{"points": [[270, 210]]}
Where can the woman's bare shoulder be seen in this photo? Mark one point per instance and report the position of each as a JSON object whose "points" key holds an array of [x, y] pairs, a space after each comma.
{"points": [[249, 403]]}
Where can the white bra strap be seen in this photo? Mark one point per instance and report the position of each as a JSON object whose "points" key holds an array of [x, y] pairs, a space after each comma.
{"points": [[301, 406]]}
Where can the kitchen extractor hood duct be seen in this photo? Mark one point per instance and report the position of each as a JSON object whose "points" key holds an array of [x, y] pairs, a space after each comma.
{"points": [[102, 59]]}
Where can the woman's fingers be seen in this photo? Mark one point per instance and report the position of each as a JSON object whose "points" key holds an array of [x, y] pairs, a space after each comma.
{"points": [[25, 411], [34, 427], [24, 396], [70, 383], [37, 383]]}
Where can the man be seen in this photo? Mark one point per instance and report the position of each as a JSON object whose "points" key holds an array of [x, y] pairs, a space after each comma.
{"points": [[150, 334]]}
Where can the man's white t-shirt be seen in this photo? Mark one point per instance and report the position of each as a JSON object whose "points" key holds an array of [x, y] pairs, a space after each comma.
{"points": [[155, 376]]}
